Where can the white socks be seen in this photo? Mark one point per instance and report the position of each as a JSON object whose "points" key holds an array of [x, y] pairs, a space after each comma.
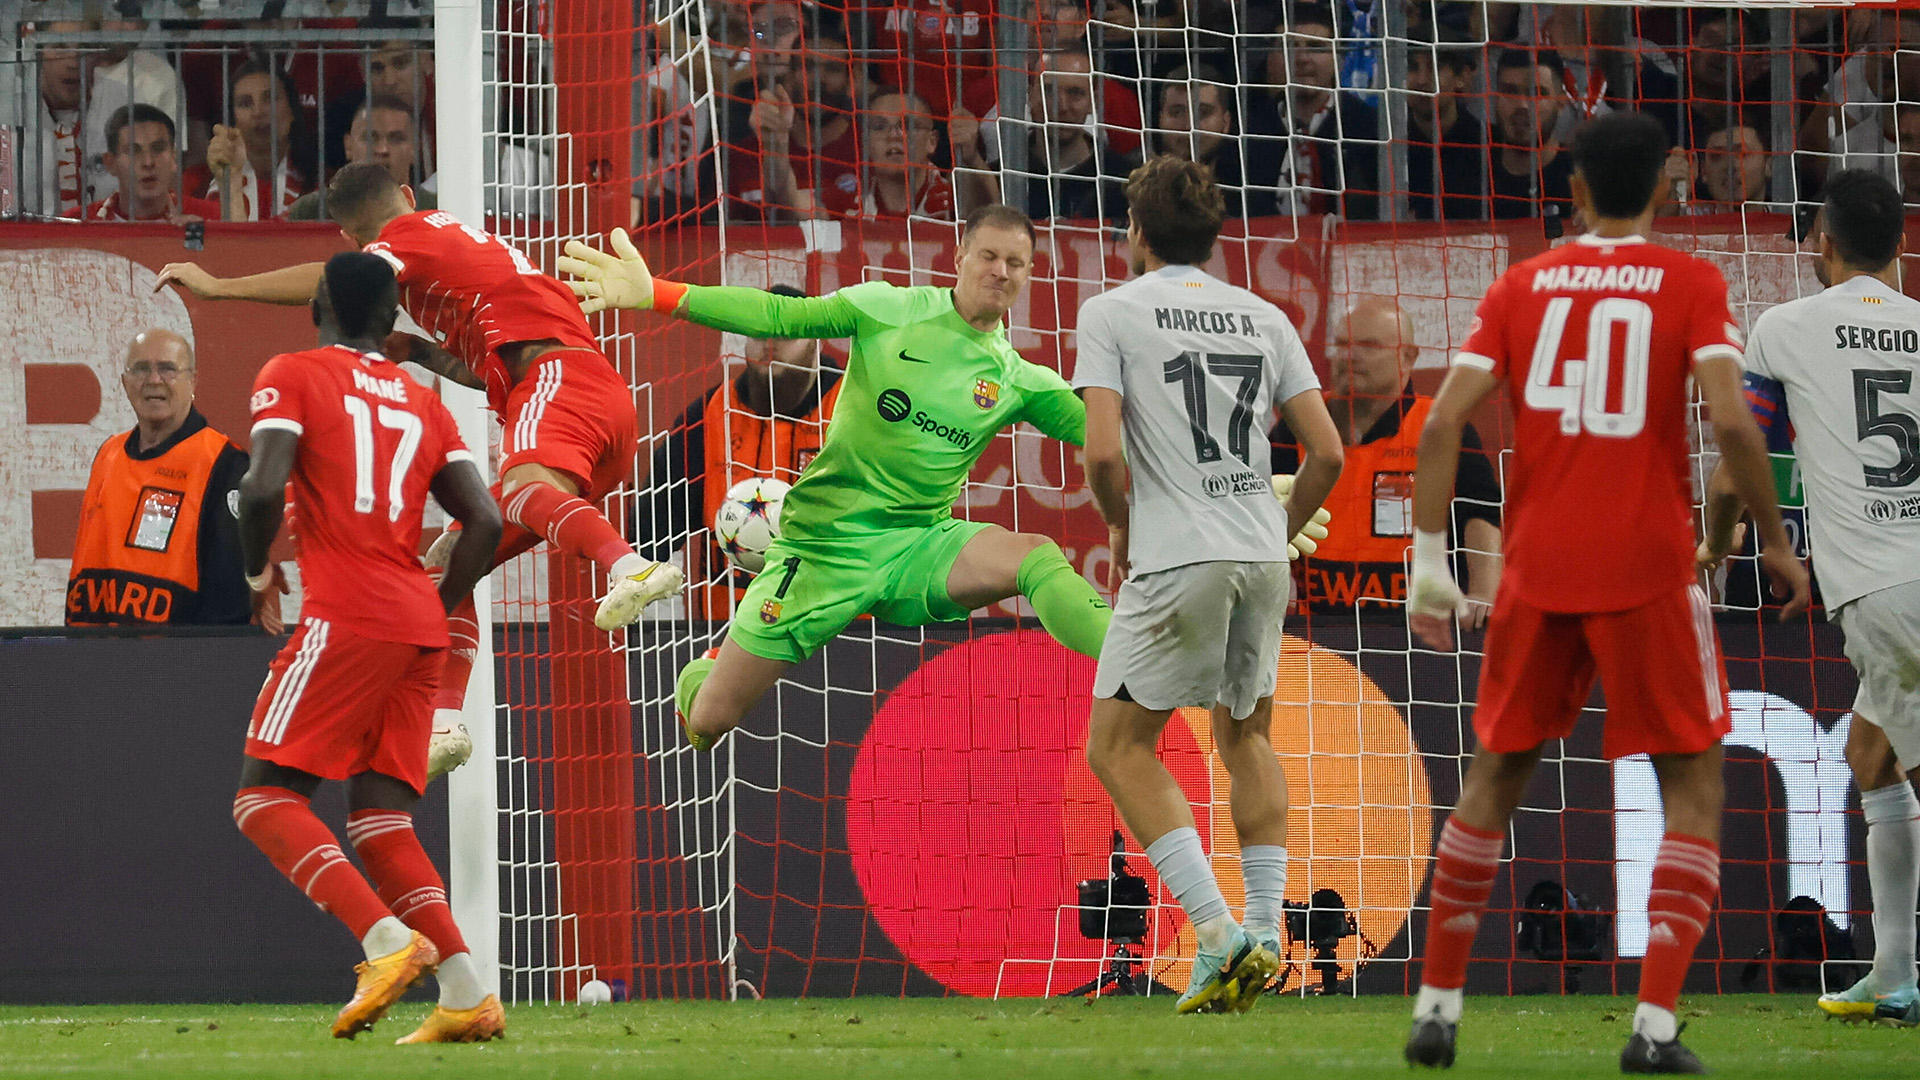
{"points": [[459, 980], [1893, 835], [387, 936], [1447, 1001], [1182, 865], [1655, 1023], [1263, 869]]}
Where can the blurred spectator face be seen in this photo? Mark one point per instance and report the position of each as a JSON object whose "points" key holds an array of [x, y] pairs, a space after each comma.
{"points": [[1526, 105], [1306, 58], [763, 355], [384, 136], [399, 70], [1369, 354], [1063, 25], [1733, 167], [1893, 62], [1717, 65], [830, 76], [60, 71], [776, 37], [1907, 127], [1442, 84], [1066, 88], [1203, 114], [1570, 29], [262, 112], [899, 132], [158, 378], [148, 165]]}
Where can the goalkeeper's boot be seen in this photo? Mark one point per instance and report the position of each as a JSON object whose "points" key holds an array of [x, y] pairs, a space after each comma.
{"points": [[1217, 978], [1643, 1055], [447, 749], [684, 688], [381, 981], [1864, 1001], [484, 1021], [635, 582], [1430, 1043]]}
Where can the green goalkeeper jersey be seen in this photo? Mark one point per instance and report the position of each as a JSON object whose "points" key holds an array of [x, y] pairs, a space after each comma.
{"points": [[923, 395]]}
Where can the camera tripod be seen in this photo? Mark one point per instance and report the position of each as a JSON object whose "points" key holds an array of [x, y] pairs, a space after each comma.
{"points": [[1119, 976]]}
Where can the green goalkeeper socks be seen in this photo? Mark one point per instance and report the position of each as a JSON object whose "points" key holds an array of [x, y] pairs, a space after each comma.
{"points": [[1067, 605], [692, 677]]}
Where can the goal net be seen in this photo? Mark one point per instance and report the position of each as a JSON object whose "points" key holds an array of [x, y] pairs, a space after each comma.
{"points": [[911, 812]]}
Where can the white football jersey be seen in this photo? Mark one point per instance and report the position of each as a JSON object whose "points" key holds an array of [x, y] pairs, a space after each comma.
{"points": [[1848, 362], [1201, 365]]}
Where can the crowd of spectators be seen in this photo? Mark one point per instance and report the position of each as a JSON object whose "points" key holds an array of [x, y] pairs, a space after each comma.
{"points": [[780, 110]]}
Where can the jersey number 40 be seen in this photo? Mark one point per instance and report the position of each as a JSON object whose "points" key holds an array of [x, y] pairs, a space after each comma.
{"points": [[1581, 398]]}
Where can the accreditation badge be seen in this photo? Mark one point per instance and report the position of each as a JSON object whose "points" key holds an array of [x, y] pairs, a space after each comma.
{"points": [[154, 519], [1392, 504]]}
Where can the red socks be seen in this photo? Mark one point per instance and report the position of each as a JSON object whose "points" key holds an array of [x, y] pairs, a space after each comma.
{"points": [[463, 626], [280, 823], [569, 523], [1465, 864], [1686, 878], [405, 876]]}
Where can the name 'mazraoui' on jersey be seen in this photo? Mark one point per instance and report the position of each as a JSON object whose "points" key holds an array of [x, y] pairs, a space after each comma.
{"points": [[1841, 368], [1201, 365]]}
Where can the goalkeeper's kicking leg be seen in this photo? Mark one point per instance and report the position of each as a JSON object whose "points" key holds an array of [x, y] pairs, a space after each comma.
{"points": [[997, 564]]}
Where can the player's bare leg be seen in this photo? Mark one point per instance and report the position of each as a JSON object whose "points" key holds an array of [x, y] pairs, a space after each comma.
{"points": [[997, 564], [1258, 800], [272, 810], [1686, 878], [1887, 994], [1466, 861], [1121, 740], [714, 692], [547, 502]]}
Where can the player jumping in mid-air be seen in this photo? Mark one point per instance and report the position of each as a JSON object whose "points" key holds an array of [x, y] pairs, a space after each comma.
{"points": [[1184, 371], [869, 526], [350, 697], [516, 333], [1838, 370], [1595, 341]]}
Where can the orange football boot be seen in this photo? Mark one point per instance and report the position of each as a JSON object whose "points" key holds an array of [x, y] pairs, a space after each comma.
{"points": [[484, 1021], [380, 983]]}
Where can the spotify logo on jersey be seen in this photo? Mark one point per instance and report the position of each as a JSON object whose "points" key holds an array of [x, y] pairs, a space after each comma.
{"points": [[894, 405]]}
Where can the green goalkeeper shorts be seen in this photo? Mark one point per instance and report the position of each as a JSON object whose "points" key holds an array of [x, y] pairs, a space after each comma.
{"points": [[813, 589]]}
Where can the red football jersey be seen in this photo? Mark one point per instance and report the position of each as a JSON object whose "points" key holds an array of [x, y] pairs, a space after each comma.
{"points": [[371, 442], [474, 293], [1599, 513]]}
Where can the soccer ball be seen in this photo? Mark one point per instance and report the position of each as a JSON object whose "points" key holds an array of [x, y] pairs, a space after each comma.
{"points": [[749, 520]]}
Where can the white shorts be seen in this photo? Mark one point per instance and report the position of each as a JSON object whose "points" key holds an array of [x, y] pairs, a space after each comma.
{"points": [[1193, 635], [1883, 641]]}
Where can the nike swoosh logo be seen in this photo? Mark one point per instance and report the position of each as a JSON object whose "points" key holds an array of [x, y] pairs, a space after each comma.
{"points": [[912, 359]]}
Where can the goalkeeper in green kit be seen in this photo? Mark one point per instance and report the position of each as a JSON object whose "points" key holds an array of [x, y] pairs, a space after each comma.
{"points": [[869, 526]]}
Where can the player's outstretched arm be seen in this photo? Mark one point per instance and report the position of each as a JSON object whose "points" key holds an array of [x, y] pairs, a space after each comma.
{"points": [[459, 489], [405, 348], [605, 281], [1434, 599], [1749, 479], [288, 285]]}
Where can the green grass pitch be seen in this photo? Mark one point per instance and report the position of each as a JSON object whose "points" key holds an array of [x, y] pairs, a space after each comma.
{"points": [[1115, 1039]]}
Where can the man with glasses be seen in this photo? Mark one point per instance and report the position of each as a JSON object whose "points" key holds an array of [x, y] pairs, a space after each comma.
{"points": [[897, 139], [159, 537]]}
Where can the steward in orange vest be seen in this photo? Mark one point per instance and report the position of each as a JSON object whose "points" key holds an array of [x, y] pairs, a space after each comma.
{"points": [[1362, 562], [745, 427], [159, 538]]}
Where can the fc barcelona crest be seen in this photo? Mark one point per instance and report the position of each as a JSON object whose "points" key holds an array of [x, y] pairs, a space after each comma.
{"points": [[986, 393], [770, 612]]}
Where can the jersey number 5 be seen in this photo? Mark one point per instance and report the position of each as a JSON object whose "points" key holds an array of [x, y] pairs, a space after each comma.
{"points": [[408, 425], [1581, 398], [1190, 370], [1901, 428]]}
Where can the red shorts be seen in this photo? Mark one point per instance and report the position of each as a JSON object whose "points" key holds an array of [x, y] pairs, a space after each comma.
{"points": [[573, 413], [1659, 664], [337, 704]]}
